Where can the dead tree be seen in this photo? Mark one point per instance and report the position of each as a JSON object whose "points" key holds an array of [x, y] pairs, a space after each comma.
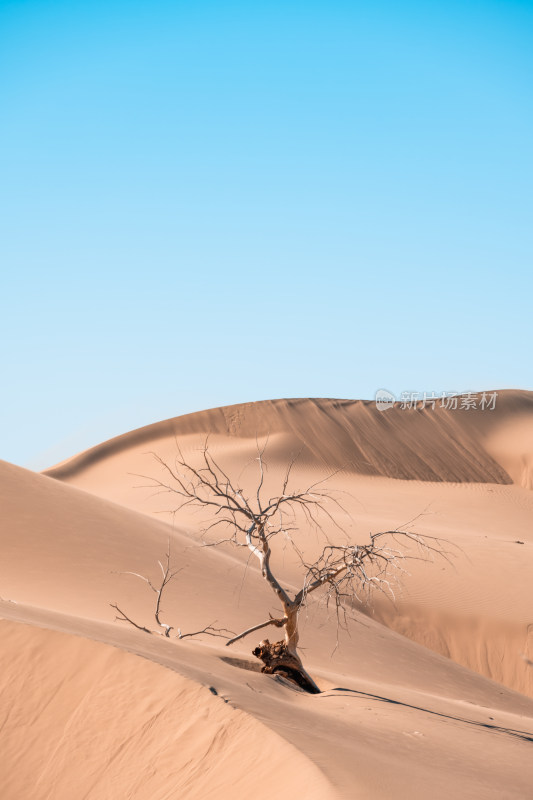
{"points": [[345, 572], [167, 574]]}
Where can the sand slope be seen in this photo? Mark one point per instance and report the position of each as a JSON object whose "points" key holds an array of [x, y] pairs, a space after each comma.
{"points": [[93, 721], [98, 722]]}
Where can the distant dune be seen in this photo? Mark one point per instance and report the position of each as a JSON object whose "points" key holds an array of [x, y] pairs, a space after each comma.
{"points": [[427, 444], [430, 696]]}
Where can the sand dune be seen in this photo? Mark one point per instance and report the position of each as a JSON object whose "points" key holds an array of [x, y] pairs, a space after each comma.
{"points": [[91, 707], [94, 721], [468, 612], [99, 722], [429, 444]]}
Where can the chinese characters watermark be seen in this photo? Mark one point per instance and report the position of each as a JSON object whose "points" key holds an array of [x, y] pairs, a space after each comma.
{"points": [[450, 401]]}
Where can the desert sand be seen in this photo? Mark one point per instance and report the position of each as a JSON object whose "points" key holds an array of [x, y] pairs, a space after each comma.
{"points": [[427, 696]]}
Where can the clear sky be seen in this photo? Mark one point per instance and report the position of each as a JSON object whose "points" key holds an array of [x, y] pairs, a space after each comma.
{"points": [[204, 203]]}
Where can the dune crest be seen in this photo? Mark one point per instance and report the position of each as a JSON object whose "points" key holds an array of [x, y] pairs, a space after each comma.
{"points": [[429, 444]]}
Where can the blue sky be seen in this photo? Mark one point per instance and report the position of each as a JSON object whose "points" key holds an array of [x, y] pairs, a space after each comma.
{"points": [[204, 203]]}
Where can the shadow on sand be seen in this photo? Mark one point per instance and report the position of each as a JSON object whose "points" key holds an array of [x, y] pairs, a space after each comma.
{"points": [[524, 735]]}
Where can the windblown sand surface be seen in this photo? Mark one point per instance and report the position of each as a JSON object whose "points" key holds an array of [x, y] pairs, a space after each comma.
{"points": [[443, 710]]}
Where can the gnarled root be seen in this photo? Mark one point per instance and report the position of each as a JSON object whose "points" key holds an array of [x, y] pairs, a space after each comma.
{"points": [[277, 659]]}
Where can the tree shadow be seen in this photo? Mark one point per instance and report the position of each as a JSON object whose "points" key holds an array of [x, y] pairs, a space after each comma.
{"points": [[524, 735], [242, 663]]}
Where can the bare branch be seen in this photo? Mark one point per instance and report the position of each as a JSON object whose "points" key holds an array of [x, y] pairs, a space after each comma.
{"points": [[124, 618], [278, 623], [167, 576], [209, 630]]}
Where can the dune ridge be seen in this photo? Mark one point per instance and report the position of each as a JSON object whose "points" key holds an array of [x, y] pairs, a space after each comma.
{"points": [[433, 444]]}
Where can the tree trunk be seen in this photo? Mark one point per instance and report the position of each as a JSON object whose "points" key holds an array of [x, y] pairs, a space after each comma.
{"points": [[282, 657], [278, 659], [291, 630]]}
